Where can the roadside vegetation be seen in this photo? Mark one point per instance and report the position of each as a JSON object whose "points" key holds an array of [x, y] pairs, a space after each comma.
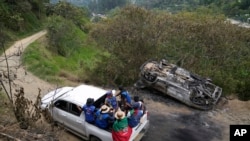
{"points": [[19, 19], [201, 41], [65, 53], [236, 9], [110, 51]]}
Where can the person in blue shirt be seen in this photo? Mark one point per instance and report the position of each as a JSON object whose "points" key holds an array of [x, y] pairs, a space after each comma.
{"points": [[110, 100], [104, 119], [134, 115], [89, 111], [125, 103], [125, 94], [141, 103]]}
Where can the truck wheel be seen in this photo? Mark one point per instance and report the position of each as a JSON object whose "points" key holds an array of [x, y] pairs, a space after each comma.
{"points": [[93, 138], [149, 78]]}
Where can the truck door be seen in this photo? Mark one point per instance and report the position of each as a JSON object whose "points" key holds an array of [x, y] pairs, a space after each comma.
{"points": [[60, 112], [76, 119]]}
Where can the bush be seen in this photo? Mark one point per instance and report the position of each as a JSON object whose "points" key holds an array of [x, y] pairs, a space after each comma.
{"points": [[200, 42], [79, 16], [64, 36], [244, 90]]}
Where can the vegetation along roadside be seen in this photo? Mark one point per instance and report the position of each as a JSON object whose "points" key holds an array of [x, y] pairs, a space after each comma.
{"points": [[114, 48], [110, 49]]}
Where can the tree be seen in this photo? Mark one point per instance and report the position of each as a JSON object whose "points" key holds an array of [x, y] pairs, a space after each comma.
{"points": [[103, 6], [200, 41], [79, 16], [21, 15], [131, 37]]}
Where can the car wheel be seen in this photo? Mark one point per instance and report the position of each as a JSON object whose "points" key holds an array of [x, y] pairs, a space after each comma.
{"points": [[195, 98], [200, 102], [93, 138], [151, 78]]}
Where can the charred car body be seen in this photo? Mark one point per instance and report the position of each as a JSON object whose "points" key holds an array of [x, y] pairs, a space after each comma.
{"points": [[179, 83]]}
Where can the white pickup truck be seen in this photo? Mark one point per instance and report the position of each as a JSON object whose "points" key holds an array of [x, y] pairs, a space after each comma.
{"points": [[62, 105]]}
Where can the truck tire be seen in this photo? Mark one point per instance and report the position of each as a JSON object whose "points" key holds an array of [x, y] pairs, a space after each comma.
{"points": [[151, 78], [93, 138]]}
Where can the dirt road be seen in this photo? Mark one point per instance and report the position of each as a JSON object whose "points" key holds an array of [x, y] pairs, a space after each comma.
{"points": [[170, 120], [18, 74]]}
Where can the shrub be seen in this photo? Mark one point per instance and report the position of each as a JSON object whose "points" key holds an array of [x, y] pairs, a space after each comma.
{"points": [[64, 37], [200, 42]]}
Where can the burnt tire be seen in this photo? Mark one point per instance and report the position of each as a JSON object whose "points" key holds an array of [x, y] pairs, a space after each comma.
{"points": [[200, 102], [151, 78]]}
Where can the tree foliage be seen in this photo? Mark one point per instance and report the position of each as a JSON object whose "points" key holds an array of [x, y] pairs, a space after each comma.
{"points": [[79, 16], [233, 8], [64, 36], [66, 27], [21, 15], [130, 33], [103, 6], [200, 42]]}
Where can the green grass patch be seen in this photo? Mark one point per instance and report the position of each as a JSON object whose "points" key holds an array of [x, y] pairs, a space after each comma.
{"points": [[55, 68], [40, 62]]}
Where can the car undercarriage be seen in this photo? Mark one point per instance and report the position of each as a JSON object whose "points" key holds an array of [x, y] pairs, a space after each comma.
{"points": [[179, 83]]}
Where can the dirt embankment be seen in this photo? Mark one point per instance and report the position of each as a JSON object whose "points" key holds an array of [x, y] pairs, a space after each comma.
{"points": [[170, 119]]}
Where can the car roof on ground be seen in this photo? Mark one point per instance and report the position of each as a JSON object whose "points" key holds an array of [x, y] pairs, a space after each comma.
{"points": [[81, 93]]}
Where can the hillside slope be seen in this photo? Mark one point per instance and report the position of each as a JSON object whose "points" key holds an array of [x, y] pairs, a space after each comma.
{"points": [[170, 120]]}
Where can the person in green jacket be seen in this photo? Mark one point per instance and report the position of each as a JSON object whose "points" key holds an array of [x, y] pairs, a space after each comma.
{"points": [[121, 131]]}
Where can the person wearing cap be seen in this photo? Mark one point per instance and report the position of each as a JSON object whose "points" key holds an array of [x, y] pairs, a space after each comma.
{"points": [[104, 118], [120, 130], [134, 115], [110, 99], [89, 111]]}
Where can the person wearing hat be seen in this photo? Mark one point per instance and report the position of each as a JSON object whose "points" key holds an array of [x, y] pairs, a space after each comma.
{"points": [[120, 130], [89, 111], [104, 118], [110, 99], [135, 115]]}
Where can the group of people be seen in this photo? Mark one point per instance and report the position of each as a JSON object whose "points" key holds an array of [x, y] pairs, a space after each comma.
{"points": [[118, 115]]}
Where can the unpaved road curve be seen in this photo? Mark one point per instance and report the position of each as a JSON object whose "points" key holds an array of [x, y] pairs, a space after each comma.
{"points": [[18, 74], [170, 120]]}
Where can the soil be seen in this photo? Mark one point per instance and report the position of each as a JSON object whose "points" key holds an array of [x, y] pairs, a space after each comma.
{"points": [[169, 119]]}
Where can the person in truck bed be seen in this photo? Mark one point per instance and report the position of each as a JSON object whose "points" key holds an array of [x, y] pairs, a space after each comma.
{"points": [[89, 111], [125, 103], [104, 118], [135, 115], [110, 100], [121, 131], [140, 102]]}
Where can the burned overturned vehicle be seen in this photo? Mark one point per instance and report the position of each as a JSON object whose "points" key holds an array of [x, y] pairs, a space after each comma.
{"points": [[179, 83]]}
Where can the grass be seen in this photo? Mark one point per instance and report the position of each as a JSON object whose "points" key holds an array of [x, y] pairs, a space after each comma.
{"points": [[40, 62], [57, 69]]}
